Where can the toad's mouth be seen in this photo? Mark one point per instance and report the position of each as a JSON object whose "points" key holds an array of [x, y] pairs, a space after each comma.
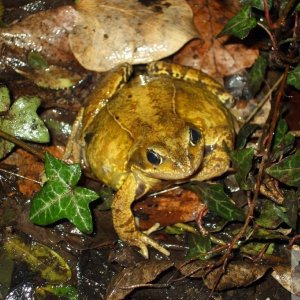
{"points": [[178, 172]]}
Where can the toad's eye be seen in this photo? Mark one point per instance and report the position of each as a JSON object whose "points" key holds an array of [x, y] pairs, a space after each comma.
{"points": [[154, 158], [195, 136]]}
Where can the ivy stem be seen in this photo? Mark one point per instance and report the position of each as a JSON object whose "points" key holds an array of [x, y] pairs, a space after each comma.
{"points": [[267, 15], [252, 201], [286, 11], [274, 44], [22, 144]]}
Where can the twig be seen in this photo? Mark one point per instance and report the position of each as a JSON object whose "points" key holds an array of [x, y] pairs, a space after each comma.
{"points": [[274, 43], [286, 11], [20, 176], [252, 201], [22, 144], [263, 101]]}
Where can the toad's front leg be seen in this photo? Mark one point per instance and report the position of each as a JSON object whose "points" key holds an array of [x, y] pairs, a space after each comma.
{"points": [[216, 160], [123, 219]]}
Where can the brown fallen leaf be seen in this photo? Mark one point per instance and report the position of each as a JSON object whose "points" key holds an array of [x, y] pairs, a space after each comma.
{"points": [[30, 169], [216, 57], [236, 274], [129, 278], [45, 32], [111, 32], [169, 208]]}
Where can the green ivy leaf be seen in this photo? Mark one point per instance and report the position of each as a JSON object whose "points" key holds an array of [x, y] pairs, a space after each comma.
{"points": [[57, 170], [242, 164], [254, 249], [216, 200], [61, 199], [257, 75], [240, 25], [283, 141], [267, 234], [297, 7], [287, 170], [244, 133], [23, 122], [199, 245], [268, 217], [259, 4], [294, 77], [281, 213], [291, 205]]}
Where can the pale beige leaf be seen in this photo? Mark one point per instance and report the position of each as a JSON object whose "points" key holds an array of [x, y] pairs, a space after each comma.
{"points": [[108, 33]]}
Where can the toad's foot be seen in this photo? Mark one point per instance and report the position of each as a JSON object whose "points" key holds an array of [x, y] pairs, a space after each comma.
{"points": [[123, 219], [141, 241]]}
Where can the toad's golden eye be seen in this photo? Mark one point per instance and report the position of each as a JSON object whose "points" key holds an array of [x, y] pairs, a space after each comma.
{"points": [[154, 158], [195, 136]]}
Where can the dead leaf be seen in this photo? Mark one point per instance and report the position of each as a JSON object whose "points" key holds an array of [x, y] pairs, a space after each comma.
{"points": [[30, 169], [140, 274], [283, 275], [237, 274], [289, 275], [169, 208], [194, 269], [216, 57], [39, 258], [45, 32], [111, 32]]}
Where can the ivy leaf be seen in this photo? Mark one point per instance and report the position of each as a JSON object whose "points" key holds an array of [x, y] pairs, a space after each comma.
{"points": [[216, 200], [57, 170], [61, 199], [281, 212], [268, 217], [283, 141], [257, 75], [23, 122], [294, 77], [287, 170], [240, 25], [199, 245], [244, 133], [267, 234], [291, 205], [259, 4], [242, 163]]}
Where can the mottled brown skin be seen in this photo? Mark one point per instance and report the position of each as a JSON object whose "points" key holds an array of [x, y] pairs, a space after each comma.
{"points": [[173, 111]]}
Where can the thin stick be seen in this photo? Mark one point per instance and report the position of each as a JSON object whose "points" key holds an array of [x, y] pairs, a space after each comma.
{"points": [[22, 144]]}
